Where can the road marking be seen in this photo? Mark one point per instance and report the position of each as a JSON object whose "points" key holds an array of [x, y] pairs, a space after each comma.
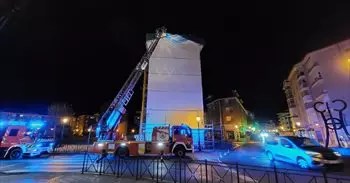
{"points": [[3, 167]]}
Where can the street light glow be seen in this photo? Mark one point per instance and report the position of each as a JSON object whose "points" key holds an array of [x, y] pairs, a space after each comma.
{"points": [[133, 131], [236, 126], [198, 118], [65, 120], [298, 123], [349, 60]]}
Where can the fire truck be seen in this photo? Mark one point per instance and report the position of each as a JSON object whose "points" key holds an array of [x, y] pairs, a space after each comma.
{"points": [[169, 139], [175, 139], [18, 139]]}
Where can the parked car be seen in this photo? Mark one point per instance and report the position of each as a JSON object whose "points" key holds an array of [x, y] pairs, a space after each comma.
{"points": [[302, 151]]}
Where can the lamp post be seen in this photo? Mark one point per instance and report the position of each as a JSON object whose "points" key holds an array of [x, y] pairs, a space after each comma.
{"points": [[64, 122], [199, 139], [89, 130]]}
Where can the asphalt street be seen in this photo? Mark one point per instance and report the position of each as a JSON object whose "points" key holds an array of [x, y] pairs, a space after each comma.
{"points": [[250, 154], [57, 163], [253, 155]]}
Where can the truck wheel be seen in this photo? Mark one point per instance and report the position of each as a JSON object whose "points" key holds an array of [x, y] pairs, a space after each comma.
{"points": [[122, 152], [15, 154], [180, 151]]}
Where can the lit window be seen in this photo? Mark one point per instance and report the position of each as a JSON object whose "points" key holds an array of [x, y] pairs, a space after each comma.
{"points": [[228, 118]]}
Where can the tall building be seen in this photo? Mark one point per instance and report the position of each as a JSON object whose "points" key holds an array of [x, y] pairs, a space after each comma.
{"points": [[285, 122], [323, 75], [228, 117], [174, 85]]}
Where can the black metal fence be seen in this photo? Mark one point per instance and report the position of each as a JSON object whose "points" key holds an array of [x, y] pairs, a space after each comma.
{"points": [[165, 169]]}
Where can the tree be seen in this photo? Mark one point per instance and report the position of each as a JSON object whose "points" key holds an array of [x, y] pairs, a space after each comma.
{"points": [[57, 111]]}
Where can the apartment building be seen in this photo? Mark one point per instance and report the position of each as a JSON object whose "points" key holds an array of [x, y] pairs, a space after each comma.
{"points": [[229, 118], [323, 75], [285, 123]]}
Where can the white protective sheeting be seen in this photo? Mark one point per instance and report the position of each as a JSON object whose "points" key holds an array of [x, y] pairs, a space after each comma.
{"points": [[174, 93]]}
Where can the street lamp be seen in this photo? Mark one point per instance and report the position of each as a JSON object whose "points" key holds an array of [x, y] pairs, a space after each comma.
{"points": [[298, 123], [199, 141], [133, 131], [64, 121], [89, 130]]}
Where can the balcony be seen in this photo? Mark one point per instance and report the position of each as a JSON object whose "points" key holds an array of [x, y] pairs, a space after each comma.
{"points": [[286, 85], [300, 75], [323, 97], [303, 86], [318, 79], [314, 65], [307, 99], [309, 105], [289, 96]]}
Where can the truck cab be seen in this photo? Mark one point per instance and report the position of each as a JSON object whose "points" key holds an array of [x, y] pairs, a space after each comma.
{"points": [[18, 140]]}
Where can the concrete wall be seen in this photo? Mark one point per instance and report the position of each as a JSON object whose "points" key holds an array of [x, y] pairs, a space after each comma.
{"points": [[174, 93]]}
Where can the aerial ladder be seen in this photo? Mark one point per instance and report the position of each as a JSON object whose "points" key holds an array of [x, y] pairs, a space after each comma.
{"points": [[111, 118]]}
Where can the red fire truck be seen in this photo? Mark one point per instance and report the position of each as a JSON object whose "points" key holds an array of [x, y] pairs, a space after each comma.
{"points": [[175, 139], [18, 140]]}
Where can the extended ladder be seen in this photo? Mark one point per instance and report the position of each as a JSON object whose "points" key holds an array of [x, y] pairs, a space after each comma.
{"points": [[111, 118]]}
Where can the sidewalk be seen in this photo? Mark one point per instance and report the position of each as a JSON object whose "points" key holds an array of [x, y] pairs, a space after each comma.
{"points": [[64, 178]]}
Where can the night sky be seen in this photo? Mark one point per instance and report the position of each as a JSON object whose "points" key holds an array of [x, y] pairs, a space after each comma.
{"points": [[81, 52]]}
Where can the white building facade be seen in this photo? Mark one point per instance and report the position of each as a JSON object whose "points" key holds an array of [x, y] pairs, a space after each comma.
{"points": [[174, 87]]}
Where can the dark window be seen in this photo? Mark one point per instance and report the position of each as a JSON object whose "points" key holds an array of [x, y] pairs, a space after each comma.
{"points": [[286, 143], [271, 142], [13, 132]]}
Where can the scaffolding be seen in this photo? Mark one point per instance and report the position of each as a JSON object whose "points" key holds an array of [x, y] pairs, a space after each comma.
{"points": [[209, 140]]}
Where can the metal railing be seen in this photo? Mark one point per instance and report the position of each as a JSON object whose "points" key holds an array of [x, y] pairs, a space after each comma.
{"points": [[168, 169]]}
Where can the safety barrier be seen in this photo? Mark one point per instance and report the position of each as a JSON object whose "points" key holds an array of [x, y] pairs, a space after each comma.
{"points": [[165, 169]]}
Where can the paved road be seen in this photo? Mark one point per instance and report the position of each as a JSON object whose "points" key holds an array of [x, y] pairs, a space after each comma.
{"points": [[250, 155], [58, 163], [253, 154]]}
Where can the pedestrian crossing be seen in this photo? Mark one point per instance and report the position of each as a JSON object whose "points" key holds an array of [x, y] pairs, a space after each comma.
{"points": [[52, 164]]}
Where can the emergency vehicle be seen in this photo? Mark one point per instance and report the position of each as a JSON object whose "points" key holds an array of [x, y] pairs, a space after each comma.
{"points": [[175, 139], [18, 140]]}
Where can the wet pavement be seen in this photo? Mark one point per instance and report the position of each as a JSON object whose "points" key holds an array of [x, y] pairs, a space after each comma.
{"points": [[57, 163], [63, 178]]}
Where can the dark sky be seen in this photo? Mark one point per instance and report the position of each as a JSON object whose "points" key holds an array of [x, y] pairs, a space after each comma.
{"points": [[81, 52]]}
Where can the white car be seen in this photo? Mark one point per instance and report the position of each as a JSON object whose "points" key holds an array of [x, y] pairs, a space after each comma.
{"points": [[302, 151], [40, 147]]}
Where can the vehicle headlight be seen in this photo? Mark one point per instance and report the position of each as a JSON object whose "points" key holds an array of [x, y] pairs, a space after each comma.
{"points": [[160, 144], [123, 144], [100, 145], [337, 153], [314, 154]]}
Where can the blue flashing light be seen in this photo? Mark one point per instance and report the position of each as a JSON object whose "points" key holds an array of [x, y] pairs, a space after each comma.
{"points": [[52, 144], [36, 124], [38, 145], [17, 123]]}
